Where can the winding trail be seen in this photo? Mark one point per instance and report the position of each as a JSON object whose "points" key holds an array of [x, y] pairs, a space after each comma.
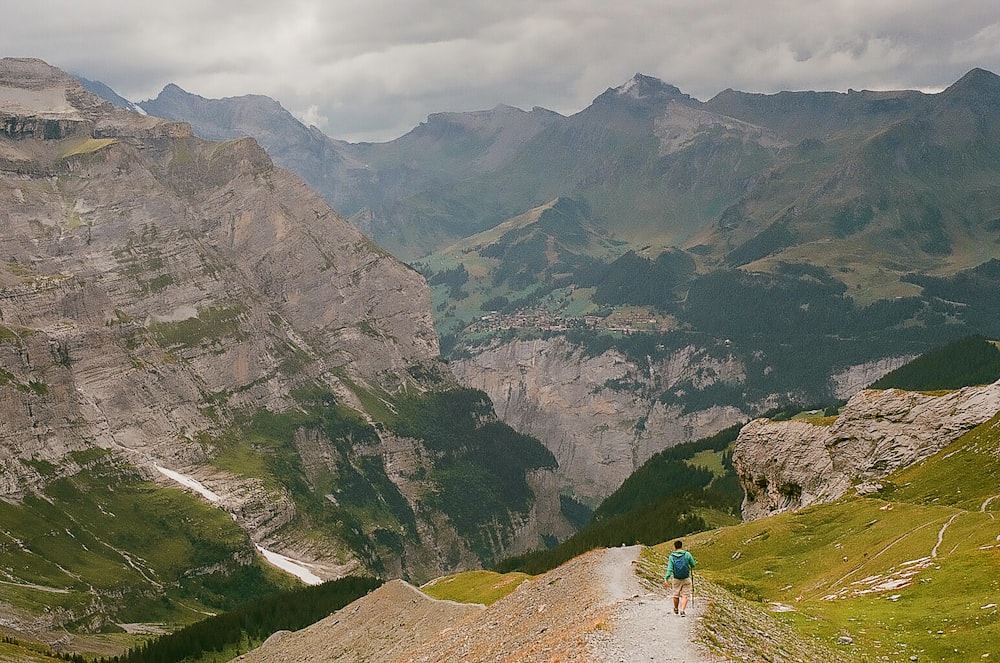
{"points": [[940, 536]]}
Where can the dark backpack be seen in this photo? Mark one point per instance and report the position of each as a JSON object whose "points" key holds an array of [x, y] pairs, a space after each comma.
{"points": [[681, 568]]}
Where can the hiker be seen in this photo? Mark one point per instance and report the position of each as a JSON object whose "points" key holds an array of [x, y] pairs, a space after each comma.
{"points": [[678, 578]]}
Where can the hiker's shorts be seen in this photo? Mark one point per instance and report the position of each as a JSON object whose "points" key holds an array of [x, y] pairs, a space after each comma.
{"points": [[681, 588]]}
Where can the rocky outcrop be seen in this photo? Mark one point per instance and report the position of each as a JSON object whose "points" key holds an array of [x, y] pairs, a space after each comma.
{"points": [[785, 465], [599, 415]]}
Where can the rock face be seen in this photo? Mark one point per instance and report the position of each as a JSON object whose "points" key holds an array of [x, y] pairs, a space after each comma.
{"points": [[790, 464], [155, 288], [599, 434], [855, 378]]}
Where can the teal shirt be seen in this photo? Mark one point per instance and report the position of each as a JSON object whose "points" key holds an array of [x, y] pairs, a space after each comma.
{"points": [[670, 563]]}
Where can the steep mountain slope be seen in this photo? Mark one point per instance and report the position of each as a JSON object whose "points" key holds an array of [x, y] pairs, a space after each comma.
{"points": [[178, 309], [813, 241], [587, 410]]}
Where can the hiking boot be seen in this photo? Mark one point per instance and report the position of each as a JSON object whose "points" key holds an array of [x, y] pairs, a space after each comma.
{"points": [[675, 610], [682, 614]]}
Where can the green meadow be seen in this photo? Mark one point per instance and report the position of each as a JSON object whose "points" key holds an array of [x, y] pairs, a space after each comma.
{"points": [[486, 587], [908, 571]]}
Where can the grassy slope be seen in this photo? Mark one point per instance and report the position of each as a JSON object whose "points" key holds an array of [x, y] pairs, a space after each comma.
{"points": [[106, 532], [484, 587], [25, 653], [872, 567], [909, 571]]}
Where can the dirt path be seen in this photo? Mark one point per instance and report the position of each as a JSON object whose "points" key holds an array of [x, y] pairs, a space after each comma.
{"points": [[594, 609], [940, 536], [643, 626]]}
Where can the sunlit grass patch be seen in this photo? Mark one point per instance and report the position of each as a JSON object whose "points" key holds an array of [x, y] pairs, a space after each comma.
{"points": [[709, 459], [484, 587], [88, 146]]}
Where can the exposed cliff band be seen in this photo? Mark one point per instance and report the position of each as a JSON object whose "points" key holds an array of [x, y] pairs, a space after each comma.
{"points": [[785, 465]]}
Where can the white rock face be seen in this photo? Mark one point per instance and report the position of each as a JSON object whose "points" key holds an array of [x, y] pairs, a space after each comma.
{"points": [[599, 433], [789, 464]]}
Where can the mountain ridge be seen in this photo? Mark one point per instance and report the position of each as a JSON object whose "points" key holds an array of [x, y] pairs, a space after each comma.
{"points": [[444, 187]]}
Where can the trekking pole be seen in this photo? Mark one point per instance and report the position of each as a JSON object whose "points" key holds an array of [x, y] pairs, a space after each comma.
{"points": [[692, 588]]}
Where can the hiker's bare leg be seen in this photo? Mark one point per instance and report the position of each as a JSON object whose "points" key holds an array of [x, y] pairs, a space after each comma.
{"points": [[684, 602]]}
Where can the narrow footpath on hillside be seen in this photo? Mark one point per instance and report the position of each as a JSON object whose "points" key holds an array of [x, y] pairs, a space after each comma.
{"points": [[643, 626], [593, 609]]}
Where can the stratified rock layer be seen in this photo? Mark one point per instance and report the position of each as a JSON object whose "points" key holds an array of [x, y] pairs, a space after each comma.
{"points": [[789, 464], [156, 287]]}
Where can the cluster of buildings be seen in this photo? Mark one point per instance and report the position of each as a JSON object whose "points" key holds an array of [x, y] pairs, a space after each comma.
{"points": [[626, 322]]}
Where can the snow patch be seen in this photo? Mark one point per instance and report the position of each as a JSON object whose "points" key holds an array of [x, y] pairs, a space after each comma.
{"points": [[293, 566], [187, 481]]}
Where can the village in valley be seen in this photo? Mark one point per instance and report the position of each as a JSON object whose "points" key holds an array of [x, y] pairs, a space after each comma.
{"points": [[627, 320]]}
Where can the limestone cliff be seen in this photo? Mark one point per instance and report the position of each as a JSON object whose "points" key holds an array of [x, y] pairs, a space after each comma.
{"points": [[157, 290], [599, 415], [785, 465]]}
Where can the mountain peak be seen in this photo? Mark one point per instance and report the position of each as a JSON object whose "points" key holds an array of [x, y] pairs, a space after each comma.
{"points": [[643, 91], [173, 88], [977, 83], [641, 86]]}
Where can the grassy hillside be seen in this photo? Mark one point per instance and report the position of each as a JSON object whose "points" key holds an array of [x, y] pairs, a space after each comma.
{"points": [[16, 650], [909, 571], [105, 532]]}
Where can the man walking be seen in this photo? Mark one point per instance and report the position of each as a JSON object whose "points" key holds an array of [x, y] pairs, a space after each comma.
{"points": [[678, 577]]}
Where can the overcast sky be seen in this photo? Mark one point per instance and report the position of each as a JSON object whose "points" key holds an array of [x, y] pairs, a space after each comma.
{"points": [[374, 69]]}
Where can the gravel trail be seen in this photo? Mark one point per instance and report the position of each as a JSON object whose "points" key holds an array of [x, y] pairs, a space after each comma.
{"points": [[643, 626], [593, 609]]}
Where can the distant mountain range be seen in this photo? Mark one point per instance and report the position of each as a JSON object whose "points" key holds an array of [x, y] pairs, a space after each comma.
{"points": [[715, 258], [742, 178]]}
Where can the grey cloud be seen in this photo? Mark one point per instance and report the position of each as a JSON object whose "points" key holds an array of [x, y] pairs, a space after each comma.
{"points": [[373, 69]]}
